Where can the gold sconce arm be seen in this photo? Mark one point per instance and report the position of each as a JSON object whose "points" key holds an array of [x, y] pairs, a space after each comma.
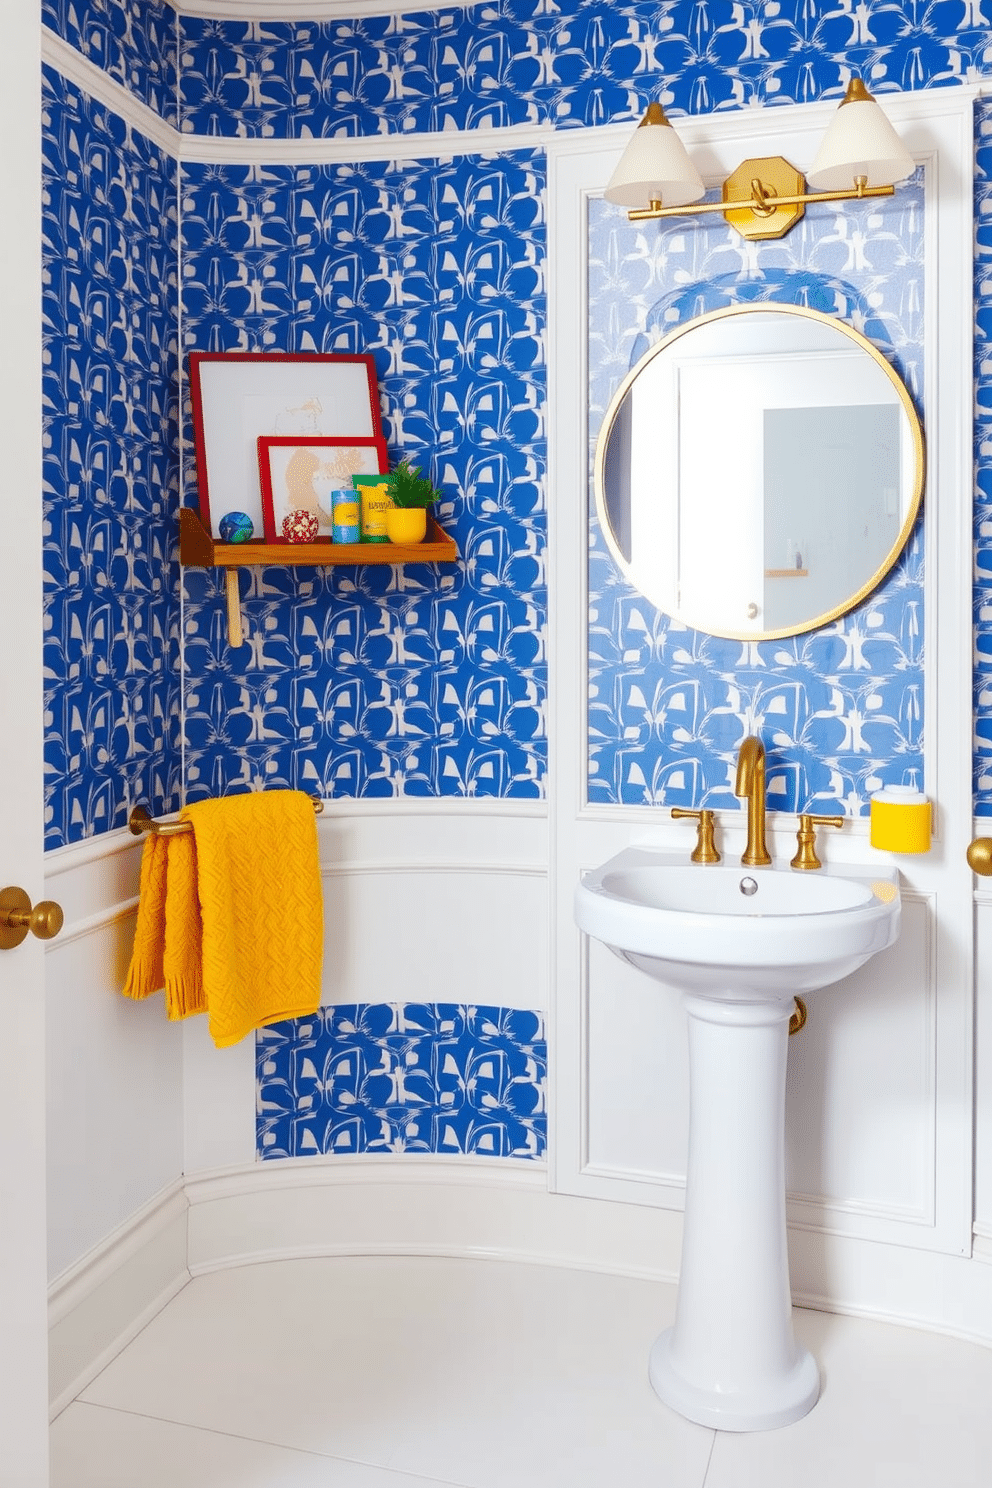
{"points": [[757, 201]]}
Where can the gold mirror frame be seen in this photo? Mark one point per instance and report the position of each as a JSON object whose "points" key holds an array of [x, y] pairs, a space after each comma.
{"points": [[767, 307]]}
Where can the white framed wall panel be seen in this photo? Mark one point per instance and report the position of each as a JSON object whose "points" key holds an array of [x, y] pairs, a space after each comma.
{"points": [[114, 1067], [880, 1096], [424, 902]]}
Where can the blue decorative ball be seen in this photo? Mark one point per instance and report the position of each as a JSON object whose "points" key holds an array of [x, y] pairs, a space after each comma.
{"points": [[236, 527]]}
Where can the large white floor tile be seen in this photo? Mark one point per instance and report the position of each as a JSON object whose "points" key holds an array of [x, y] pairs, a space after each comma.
{"points": [[476, 1372], [898, 1409], [94, 1447], [553, 1390], [307, 1354]]}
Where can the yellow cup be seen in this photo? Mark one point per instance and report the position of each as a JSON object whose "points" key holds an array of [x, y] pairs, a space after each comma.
{"points": [[901, 820]]}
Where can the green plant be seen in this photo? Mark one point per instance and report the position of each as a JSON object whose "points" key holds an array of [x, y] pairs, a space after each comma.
{"points": [[409, 488]]}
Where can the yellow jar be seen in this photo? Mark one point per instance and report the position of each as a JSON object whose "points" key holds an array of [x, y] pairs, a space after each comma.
{"points": [[406, 524], [901, 820]]}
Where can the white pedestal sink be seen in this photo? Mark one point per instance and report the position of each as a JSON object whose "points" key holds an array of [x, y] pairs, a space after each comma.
{"points": [[740, 943]]}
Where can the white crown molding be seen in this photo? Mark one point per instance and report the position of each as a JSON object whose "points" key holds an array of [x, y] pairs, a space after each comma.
{"points": [[296, 10], [440, 144], [76, 68]]}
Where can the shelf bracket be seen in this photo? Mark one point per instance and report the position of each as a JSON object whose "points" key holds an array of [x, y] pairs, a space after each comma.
{"points": [[235, 631]]}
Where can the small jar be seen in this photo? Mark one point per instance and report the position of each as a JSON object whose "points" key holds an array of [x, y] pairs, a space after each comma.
{"points": [[901, 820], [344, 516]]}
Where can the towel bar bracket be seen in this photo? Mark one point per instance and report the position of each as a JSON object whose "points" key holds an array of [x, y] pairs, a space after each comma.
{"points": [[141, 821]]}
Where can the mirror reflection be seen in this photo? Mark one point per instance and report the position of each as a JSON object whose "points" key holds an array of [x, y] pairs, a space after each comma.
{"points": [[759, 471]]}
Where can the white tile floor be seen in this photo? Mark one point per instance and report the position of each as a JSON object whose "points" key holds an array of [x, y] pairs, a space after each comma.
{"points": [[418, 1373]]}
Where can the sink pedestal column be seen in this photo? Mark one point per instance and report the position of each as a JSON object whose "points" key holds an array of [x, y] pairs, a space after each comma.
{"points": [[731, 1360]]}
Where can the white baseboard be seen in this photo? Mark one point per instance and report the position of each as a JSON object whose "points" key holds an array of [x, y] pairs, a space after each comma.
{"points": [[468, 1208], [463, 1207], [98, 1305]]}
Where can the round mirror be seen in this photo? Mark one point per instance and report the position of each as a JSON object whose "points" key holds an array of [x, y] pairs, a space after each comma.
{"points": [[759, 471]]}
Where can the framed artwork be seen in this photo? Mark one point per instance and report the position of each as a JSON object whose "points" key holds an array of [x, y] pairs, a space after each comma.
{"points": [[239, 396], [298, 474]]}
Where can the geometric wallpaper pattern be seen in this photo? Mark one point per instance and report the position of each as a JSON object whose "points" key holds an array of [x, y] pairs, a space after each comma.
{"points": [[388, 681], [110, 469], [983, 461], [571, 62], [134, 41], [403, 1077], [839, 708], [382, 681]]}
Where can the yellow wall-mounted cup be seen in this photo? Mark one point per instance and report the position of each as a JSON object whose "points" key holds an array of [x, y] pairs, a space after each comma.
{"points": [[901, 820]]}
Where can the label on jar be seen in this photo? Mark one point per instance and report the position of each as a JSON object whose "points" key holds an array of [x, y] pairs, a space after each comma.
{"points": [[375, 502]]}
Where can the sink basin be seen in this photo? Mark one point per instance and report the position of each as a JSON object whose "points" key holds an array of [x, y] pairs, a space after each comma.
{"points": [[739, 943], [745, 931]]}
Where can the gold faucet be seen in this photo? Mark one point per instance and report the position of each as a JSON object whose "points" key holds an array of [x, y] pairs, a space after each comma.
{"points": [[751, 783]]}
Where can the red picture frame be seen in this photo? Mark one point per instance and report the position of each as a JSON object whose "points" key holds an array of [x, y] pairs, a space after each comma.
{"points": [[238, 396], [299, 474]]}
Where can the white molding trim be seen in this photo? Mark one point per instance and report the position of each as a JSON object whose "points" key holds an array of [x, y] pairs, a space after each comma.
{"points": [[297, 10], [429, 865], [98, 1264], [482, 1209], [99, 1304], [351, 149], [75, 855], [429, 806], [77, 69], [92, 923], [442, 144], [414, 1168]]}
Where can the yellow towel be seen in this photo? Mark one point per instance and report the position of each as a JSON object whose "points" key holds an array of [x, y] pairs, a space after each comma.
{"points": [[230, 915]]}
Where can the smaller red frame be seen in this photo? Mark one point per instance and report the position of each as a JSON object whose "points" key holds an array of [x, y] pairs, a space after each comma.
{"points": [[275, 464]]}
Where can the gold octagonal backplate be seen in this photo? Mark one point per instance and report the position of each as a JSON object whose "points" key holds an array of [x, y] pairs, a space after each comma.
{"points": [[778, 178]]}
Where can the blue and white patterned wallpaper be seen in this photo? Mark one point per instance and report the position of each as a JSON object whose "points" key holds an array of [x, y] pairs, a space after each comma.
{"points": [[404, 681], [840, 709], [983, 461], [564, 62], [380, 681], [110, 469], [403, 1077], [136, 42]]}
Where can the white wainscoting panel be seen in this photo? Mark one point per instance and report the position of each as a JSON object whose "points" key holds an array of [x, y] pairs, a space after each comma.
{"points": [[983, 1056], [868, 1156], [425, 901], [860, 1101], [637, 1069], [114, 1067], [419, 1205], [101, 1302]]}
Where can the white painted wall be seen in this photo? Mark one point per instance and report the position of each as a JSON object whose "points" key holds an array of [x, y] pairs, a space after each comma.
{"points": [[114, 1067]]}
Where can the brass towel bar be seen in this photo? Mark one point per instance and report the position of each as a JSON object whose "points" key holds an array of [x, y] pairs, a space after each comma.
{"points": [[139, 821]]}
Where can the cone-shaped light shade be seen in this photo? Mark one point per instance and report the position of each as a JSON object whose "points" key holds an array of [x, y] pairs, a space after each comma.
{"points": [[859, 142], [654, 167]]}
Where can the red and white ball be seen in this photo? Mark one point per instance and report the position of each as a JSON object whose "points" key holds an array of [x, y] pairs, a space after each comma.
{"points": [[299, 527]]}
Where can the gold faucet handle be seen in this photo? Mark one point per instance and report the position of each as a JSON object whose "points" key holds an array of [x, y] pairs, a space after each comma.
{"points": [[705, 846], [806, 837]]}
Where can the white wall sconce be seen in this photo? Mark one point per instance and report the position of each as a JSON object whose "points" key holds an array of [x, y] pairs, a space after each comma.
{"points": [[859, 156]]}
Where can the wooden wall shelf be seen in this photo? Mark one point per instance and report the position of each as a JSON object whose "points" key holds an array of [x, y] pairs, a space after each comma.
{"points": [[198, 549]]}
